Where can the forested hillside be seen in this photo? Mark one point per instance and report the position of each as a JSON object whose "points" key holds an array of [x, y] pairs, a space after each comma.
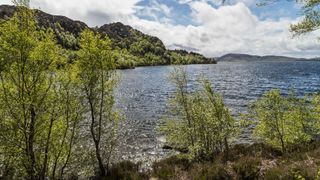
{"points": [[131, 47]]}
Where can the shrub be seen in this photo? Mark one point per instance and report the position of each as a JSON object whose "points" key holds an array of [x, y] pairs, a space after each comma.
{"points": [[199, 122], [123, 59], [214, 172], [257, 149], [292, 170], [167, 168], [126, 170], [247, 168], [277, 173], [304, 171], [284, 122]]}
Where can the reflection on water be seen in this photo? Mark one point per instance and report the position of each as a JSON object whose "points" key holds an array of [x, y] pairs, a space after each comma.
{"points": [[143, 93]]}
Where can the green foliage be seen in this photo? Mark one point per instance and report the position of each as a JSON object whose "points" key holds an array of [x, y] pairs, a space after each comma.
{"points": [[202, 123], [183, 57], [310, 10], [284, 122], [124, 60], [66, 39], [45, 92], [96, 79], [151, 51], [152, 59], [36, 132], [311, 21], [133, 47]]}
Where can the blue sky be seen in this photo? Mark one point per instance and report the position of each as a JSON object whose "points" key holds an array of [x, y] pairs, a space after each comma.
{"points": [[204, 26], [181, 11], [277, 10]]}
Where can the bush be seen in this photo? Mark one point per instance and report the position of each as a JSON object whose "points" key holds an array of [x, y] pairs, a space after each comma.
{"points": [[214, 172], [293, 170], [247, 168], [277, 173], [126, 170], [124, 60], [198, 121], [284, 122], [257, 149], [167, 168], [304, 170]]}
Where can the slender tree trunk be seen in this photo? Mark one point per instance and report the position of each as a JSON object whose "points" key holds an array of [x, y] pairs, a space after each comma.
{"points": [[69, 150], [30, 149], [188, 116], [283, 145], [226, 149], [101, 165], [46, 152], [96, 141], [61, 145]]}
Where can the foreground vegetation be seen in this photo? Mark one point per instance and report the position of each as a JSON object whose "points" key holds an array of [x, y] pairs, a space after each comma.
{"points": [[54, 114], [286, 130], [256, 161]]}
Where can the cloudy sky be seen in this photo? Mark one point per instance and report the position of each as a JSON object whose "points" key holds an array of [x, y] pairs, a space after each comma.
{"points": [[205, 26]]}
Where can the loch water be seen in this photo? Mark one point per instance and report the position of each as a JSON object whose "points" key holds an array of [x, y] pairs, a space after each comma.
{"points": [[143, 93]]}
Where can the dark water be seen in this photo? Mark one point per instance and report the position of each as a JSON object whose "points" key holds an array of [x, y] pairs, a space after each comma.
{"points": [[143, 93]]}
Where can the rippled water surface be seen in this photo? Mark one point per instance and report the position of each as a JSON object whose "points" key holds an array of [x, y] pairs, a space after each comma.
{"points": [[143, 94]]}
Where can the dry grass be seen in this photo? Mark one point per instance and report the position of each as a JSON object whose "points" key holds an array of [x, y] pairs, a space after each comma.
{"points": [[255, 161]]}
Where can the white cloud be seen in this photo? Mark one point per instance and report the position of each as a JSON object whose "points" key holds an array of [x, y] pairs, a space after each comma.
{"points": [[5, 2], [184, 1], [220, 2], [156, 11], [246, 2], [93, 12], [215, 31], [232, 28]]}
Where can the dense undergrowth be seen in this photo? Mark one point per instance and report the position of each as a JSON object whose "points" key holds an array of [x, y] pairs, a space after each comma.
{"points": [[255, 161]]}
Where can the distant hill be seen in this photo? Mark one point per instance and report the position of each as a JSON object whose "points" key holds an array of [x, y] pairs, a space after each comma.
{"points": [[131, 47], [247, 57]]}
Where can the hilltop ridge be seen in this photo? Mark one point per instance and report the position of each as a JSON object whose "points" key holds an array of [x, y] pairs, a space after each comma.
{"points": [[247, 57], [131, 47]]}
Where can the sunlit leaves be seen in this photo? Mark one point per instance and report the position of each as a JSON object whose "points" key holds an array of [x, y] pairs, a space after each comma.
{"points": [[96, 80], [201, 123], [284, 122], [36, 131]]}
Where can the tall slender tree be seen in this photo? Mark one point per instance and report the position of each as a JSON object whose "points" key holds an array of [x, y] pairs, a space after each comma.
{"points": [[29, 58], [96, 79], [38, 106]]}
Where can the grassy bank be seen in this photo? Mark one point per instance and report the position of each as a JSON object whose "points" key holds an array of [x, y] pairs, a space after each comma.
{"points": [[256, 161]]}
